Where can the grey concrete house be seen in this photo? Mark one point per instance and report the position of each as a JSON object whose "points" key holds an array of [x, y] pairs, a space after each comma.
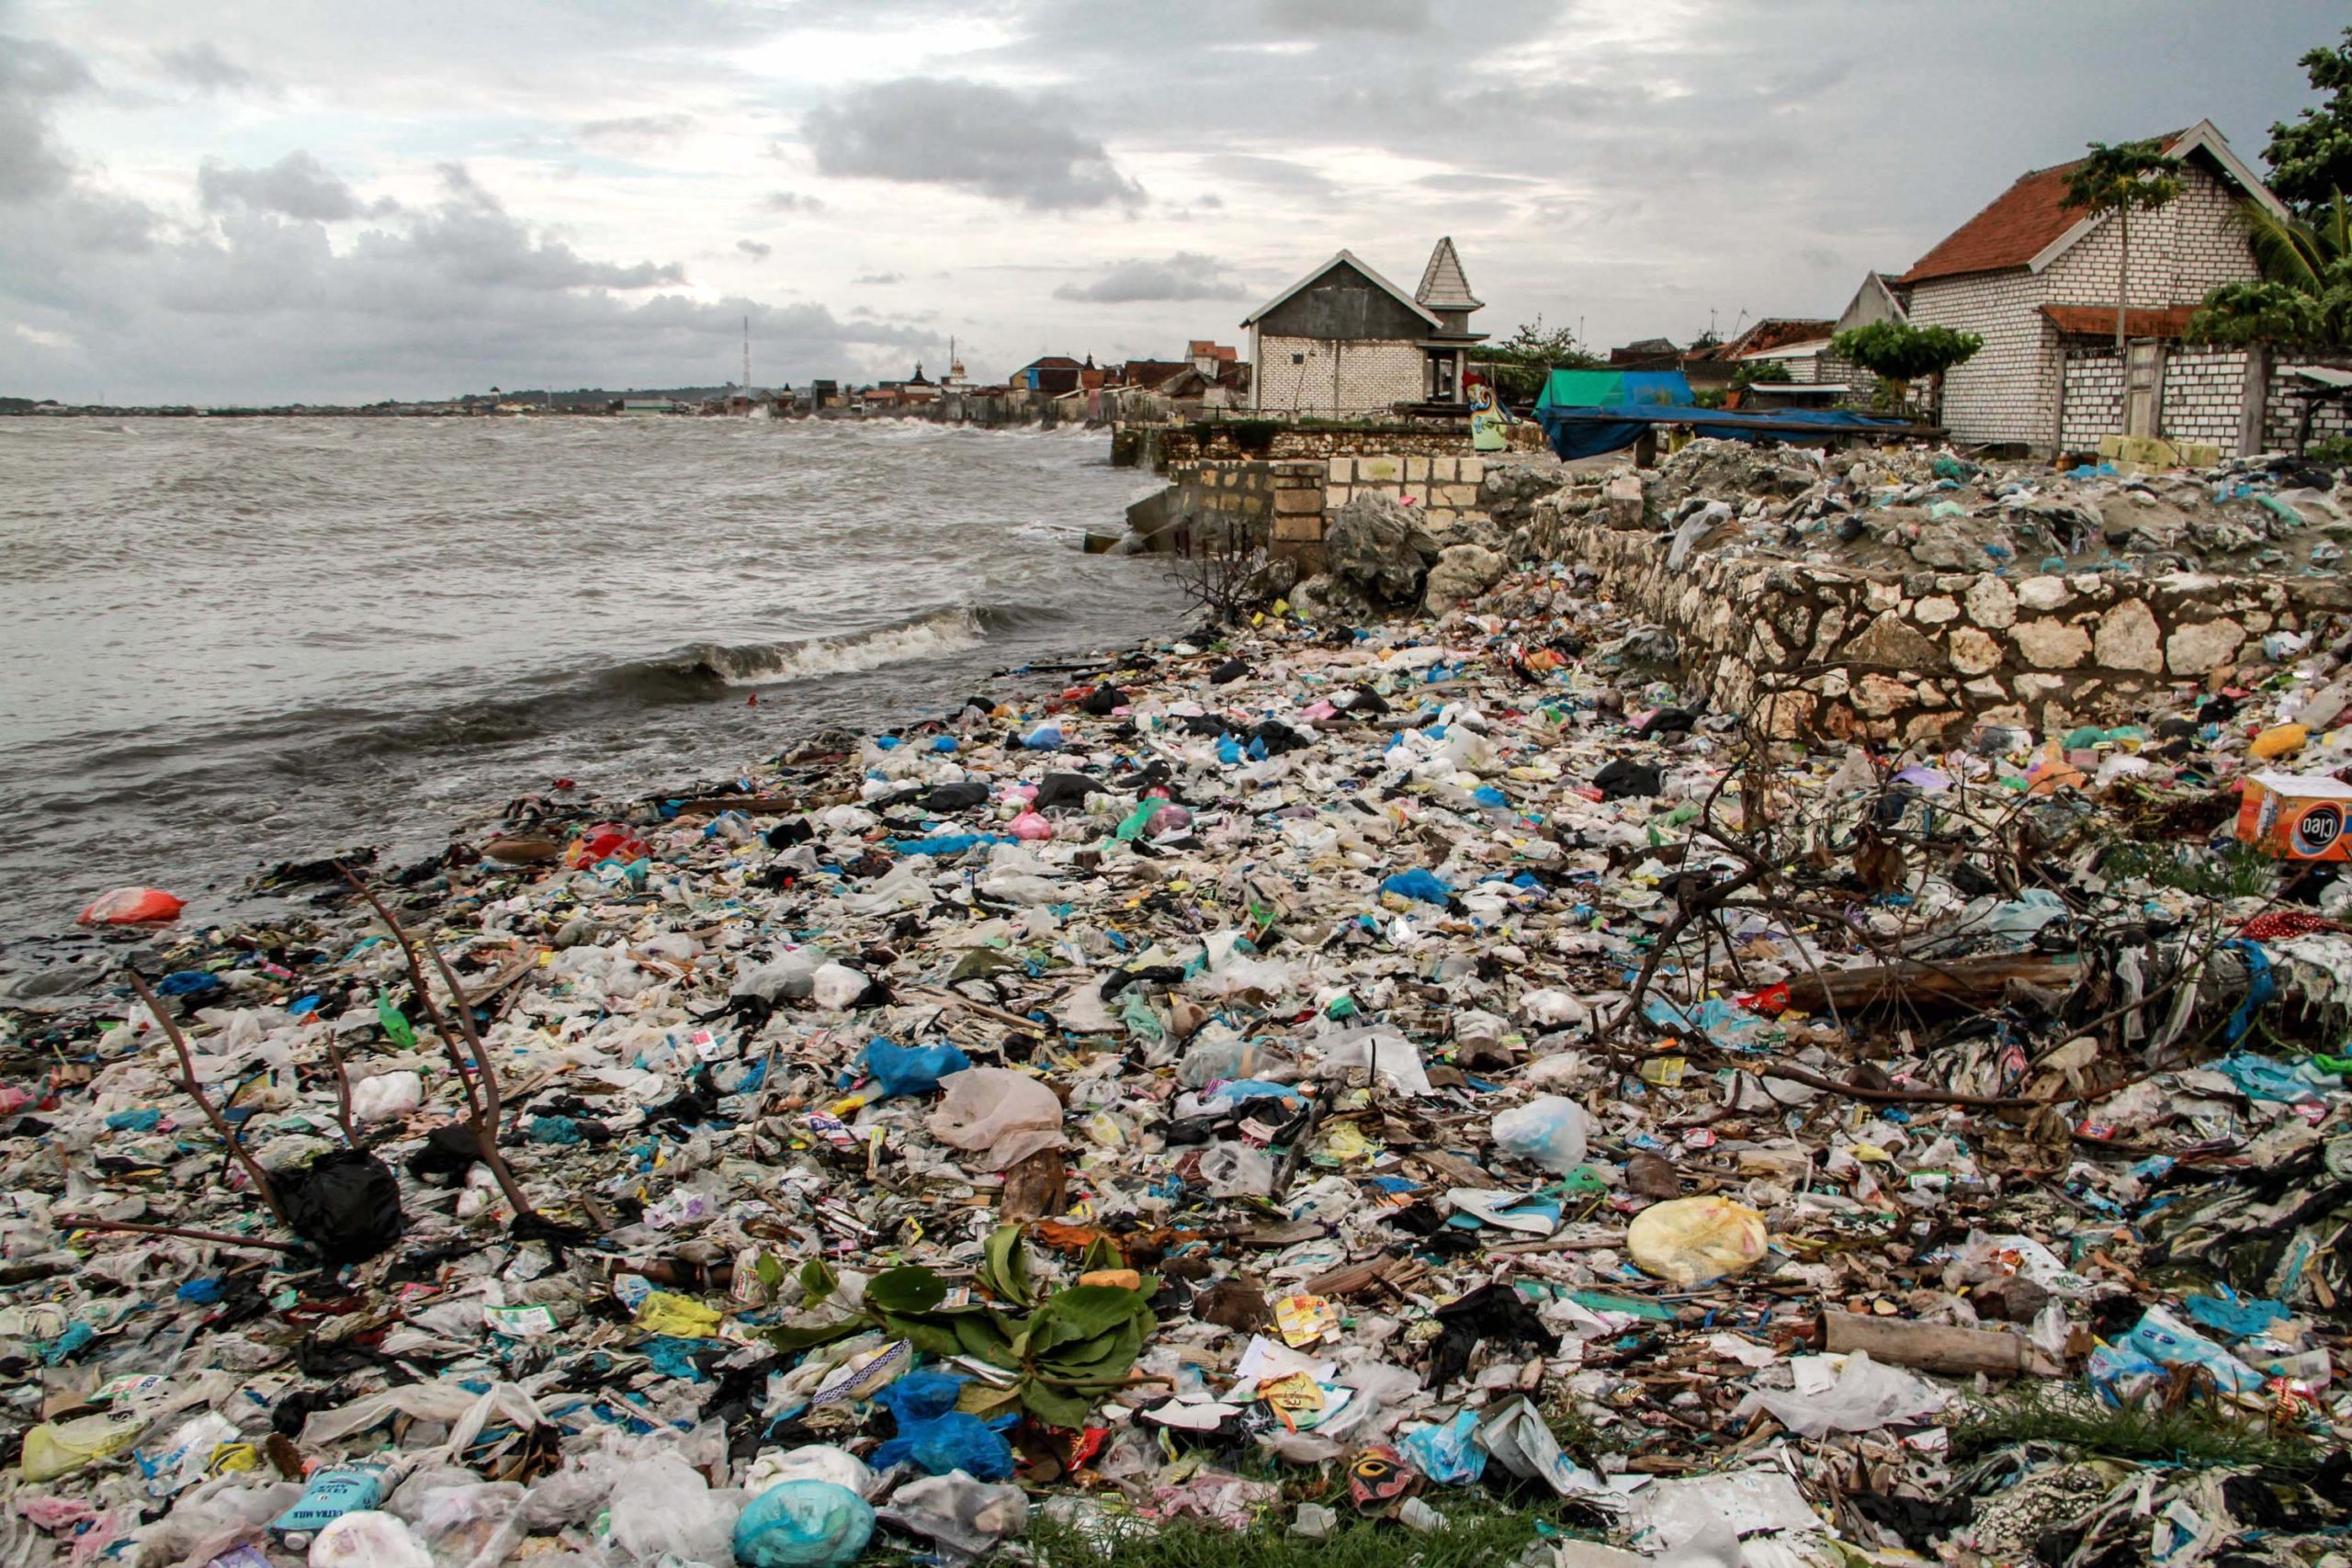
{"points": [[1344, 343]]}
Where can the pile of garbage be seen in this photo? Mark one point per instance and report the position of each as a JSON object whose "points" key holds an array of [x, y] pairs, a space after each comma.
{"points": [[1305, 1079], [1902, 509]]}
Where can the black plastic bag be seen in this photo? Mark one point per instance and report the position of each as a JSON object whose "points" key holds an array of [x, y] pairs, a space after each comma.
{"points": [[347, 1205]]}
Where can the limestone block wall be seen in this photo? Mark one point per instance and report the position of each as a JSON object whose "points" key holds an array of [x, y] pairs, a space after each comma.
{"points": [[1919, 658], [1338, 377], [1290, 502], [1264, 440], [2094, 399]]}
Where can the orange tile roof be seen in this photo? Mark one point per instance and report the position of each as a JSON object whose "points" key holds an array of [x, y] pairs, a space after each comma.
{"points": [[2011, 233], [2014, 230], [2099, 320]]}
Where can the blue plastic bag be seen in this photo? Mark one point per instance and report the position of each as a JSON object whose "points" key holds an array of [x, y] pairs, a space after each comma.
{"points": [[935, 1438], [802, 1524], [1421, 885], [1447, 1454], [912, 1069]]}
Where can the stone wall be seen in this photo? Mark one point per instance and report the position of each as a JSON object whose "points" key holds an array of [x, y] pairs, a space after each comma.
{"points": [[1290, 502], [1263, 440], [1918, 658], [2094, 399]]}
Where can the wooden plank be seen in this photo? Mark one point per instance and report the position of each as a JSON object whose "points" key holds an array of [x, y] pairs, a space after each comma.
{"points": [[1962, 982]]}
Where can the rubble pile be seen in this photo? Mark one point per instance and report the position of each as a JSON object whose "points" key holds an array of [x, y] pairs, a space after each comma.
{"points": [[1321, 1073], [1903, 509]]}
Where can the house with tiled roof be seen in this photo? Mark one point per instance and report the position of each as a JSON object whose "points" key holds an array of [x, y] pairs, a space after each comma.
{"points": [[2037, 279]]}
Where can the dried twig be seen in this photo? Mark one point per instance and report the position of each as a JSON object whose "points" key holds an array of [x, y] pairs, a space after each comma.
{"points": [[260, 1178], [485, 1105], [222, 1238]]}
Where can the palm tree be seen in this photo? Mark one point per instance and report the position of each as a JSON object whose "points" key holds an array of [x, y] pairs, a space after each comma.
{"points": [[2118, 179], [2304, 296]]}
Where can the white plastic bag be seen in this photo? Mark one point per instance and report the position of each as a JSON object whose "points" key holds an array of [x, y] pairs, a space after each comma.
{"points": [[1549, 1131], [1001, 1115], [663, 1505]]}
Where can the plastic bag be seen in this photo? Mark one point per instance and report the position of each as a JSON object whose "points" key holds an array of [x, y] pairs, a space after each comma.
{"points": [[472, 1525], [964, 1516], [935, 1437], [663, 1505], [1549, 1131], [802, 1524], [54, 1447], [816, 1461], [836, 987], [132, 906], [1862, 1396], [367, 1538], [387, 1096], [912, 1069], [1001, 1115], [1688, 1241], [1031, 827], [347, 1205], [1236, 1170]]}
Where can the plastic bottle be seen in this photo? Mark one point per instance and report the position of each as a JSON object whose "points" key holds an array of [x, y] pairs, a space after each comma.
{"points": [[1548, 1132], [346, 1489]]}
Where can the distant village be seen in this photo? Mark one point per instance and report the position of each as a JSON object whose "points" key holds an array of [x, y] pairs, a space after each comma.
{"points": [[2075, 337]]}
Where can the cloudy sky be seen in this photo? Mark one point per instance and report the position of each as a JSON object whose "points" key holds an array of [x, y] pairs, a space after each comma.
{"points": [[312, 199]]}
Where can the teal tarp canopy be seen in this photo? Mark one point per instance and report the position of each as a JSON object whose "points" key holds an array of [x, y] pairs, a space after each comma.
{"points": [[1614, 389]]}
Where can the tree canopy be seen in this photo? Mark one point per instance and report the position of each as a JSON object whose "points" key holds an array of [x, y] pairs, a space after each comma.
{"points": [[2311, 155], [1520, 363], [2122, 177], [1900, 351]]}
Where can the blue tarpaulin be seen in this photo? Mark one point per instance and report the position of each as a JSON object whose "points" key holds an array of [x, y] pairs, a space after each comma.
{"points": [[1577, 405]]}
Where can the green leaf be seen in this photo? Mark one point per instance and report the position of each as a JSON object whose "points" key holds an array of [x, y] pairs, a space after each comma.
{"points": [[1100, 1255], [817, 1281], [907, 1290], [933, 1335], [1083, 1312], [1004, 1267], [985, 1337], [769, 1272], [1053, 1406], [791, 1337]]}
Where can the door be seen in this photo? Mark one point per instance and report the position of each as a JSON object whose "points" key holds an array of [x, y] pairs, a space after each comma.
{"points": [[2144, 388]]}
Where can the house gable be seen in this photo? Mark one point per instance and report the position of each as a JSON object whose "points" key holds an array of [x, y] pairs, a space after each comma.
{"points": [[1344, 300]]}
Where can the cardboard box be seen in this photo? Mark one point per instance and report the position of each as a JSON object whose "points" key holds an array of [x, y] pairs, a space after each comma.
{"points": [[2295, 818]]}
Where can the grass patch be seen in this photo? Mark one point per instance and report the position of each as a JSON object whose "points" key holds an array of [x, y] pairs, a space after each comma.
{"points": [[2240, 870], [1480, 1533], [2192, 1434]]}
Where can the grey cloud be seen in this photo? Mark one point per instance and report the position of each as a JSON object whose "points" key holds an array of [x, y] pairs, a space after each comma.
{"points": [[634, 130], [970, 136], [476, 241], [1184, 275], [1349, 16], [790, 201], [754, 249], [880, 279], [31, 71], [1269, 174], [296, 185], [205, 68]]}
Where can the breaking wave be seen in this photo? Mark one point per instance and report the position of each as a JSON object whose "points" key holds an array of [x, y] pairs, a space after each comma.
{"points": [[692, 670]]}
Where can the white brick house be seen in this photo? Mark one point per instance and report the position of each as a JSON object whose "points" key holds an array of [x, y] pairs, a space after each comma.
{"points": [[2037, 278], [1344, 343]]}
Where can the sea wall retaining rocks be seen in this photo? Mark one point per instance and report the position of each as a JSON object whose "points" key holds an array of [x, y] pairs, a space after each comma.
{"points": [[1291, 504], [1819, 652]]}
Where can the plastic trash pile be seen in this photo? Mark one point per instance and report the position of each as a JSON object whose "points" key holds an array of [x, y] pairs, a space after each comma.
{"points": [[1333, 1073]]}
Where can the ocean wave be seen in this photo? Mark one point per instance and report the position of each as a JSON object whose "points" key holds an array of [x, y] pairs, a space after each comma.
{"points": [[927, 636]]}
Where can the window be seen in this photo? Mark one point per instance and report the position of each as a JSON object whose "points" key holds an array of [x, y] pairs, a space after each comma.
{"points": [[1298, 359]]}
